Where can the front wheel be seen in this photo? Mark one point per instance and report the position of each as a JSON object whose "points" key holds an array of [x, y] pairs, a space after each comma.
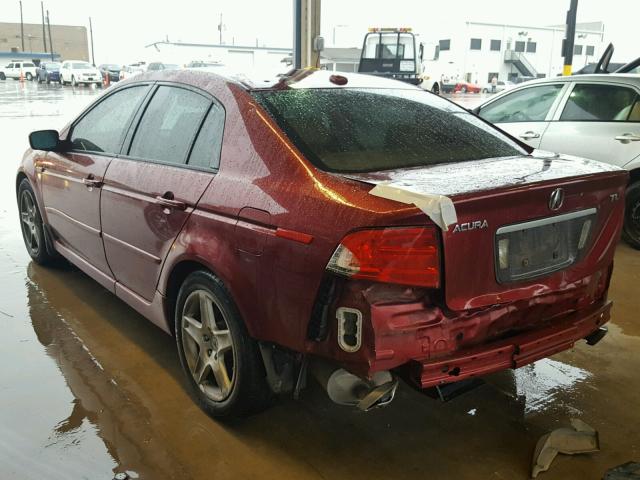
{"points": [[222, 362], [631, 228], [31, 224]]}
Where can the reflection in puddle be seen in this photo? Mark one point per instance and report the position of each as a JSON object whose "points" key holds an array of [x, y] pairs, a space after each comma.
{"points": [[540, 383]]}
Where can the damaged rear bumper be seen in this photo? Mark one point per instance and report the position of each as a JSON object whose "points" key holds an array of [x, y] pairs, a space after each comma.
{"points": [[513, 352]]}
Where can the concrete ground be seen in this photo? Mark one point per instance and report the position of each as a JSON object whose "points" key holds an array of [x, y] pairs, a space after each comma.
{"points": [[88, 388]]}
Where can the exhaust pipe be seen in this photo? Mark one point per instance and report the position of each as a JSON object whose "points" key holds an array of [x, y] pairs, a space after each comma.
{"points": [[345, 388]]}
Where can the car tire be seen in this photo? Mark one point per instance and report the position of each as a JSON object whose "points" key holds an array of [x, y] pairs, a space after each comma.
{"points": [[224, 383], [435, 89], [484, 90], [3, 76], [28, 76], [31, 225], [463, 90], [631, 228]]}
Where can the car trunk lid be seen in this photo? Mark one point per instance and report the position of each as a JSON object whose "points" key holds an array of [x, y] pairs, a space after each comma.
{"points": [[552, 244]]}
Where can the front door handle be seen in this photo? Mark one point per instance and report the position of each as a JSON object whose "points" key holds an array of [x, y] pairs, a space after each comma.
{"points": [[628, 138], [91, 182], [530, 135], [168, 202]]}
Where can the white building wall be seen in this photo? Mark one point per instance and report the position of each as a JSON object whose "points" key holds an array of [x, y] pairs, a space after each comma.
{"points": [[475, 65]]}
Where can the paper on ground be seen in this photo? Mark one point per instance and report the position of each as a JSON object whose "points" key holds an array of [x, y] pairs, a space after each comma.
{"points": [[438, 208]]}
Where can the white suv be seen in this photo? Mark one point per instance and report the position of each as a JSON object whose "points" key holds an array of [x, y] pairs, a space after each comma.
{"points": [[13, 70], [75, 72]]}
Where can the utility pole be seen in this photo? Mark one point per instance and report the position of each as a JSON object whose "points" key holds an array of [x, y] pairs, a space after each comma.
{"points": [[44, 35], [21, 27], [570, 38], [50, 37], [93, 58], [307, 43]]}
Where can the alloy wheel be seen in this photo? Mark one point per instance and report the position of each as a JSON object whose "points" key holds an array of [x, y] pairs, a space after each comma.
{"points": [[28, 222], [208, 345]]}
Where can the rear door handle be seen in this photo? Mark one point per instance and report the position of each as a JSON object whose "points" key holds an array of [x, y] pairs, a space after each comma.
{"points": [[170, 203], [529, 135], [628, 138]]}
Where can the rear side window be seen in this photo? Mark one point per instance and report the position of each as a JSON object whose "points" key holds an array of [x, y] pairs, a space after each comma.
{"points": [[28, 65], [169, 125], [600, 103], [528, 105], [103, 128], [206, 150], [365, 130]]}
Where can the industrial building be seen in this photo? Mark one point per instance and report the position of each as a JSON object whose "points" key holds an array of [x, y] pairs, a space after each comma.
{"points": [[479, 51], [69, 42]]}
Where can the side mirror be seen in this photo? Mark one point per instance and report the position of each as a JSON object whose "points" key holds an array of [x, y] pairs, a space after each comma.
{"points": [[47, 140]]}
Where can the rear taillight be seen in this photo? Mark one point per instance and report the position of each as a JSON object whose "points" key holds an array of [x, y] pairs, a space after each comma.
{"points": [[405, 256]]}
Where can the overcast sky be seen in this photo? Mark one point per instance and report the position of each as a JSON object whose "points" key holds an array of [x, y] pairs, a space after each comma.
{"points": [[123, 27]]}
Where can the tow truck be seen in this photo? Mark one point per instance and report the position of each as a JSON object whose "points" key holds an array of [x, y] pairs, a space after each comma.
{"points": [[392, 53]]}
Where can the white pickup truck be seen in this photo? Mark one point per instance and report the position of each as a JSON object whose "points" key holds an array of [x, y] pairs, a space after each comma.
{"points": [[13, 70]]}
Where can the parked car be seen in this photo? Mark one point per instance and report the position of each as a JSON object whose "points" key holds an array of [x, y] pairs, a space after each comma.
{"points": [[594, 116], [158, 66], [205, 66], [500, 87], [466, 87], [15, 69], [48, 72], [76, 72], [308, 224], [129, 71], [112, 70]]}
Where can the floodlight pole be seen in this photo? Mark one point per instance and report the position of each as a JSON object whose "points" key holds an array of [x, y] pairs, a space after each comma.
{"points": [[572, 14], [306, 31]]}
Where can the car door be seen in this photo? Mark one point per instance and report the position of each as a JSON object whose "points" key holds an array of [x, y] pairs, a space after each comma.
{"points": [[71, 181], [10, 70], [600, 121], [150, 192], [525, 113]]}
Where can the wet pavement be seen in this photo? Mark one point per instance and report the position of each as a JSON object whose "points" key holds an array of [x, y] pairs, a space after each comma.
{"points": [[88, 388]]}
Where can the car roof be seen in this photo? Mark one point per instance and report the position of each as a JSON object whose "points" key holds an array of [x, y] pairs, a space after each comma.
{"points": [[295, 79], [632, 78]]}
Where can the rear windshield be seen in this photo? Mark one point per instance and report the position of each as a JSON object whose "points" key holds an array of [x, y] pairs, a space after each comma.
{"points": [[367, 130], [81, 66]]}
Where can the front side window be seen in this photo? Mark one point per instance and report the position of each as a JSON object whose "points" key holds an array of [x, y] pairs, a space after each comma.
{"points": [[169, 124], [527, 105], [102, 129], [366, 130], [600, 103]]}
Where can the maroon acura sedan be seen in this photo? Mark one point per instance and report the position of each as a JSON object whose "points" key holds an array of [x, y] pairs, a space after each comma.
{"points": [[352, 227]]}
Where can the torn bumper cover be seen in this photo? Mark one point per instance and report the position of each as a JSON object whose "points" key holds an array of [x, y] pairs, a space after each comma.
{"points": [[513, 352]]}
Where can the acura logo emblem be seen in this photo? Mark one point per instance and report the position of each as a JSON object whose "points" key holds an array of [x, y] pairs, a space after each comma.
{"points": [[557, 199]]}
